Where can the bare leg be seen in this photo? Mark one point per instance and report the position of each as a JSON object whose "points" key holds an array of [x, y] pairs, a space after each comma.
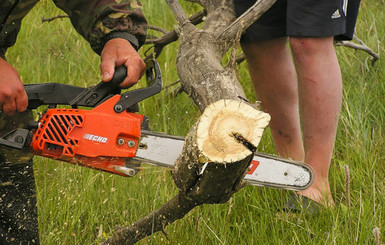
{"points": [[320, 93], [275, 81]]}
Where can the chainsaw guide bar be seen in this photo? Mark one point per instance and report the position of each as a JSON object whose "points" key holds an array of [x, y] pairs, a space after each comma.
{"points": [[265, 170]]}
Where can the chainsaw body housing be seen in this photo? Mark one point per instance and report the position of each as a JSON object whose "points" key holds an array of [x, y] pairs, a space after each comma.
{"points": [[98, 138]]}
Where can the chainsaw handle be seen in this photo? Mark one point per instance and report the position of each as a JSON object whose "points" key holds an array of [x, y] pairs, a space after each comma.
{"points": [[63, 94], [102, 91], [119, 76]]}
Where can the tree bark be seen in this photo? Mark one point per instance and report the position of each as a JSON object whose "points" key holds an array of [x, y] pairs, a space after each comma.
{"points": [[201, 52]]}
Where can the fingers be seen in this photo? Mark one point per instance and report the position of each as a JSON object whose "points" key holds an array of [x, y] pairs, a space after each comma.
{"points": [[22, 101], [107, 66], [135, 70], [119, 52], [13, 97], [13, 104], [9, 108]]}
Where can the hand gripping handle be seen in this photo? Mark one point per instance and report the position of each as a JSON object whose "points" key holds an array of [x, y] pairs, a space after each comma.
{"points": [[119, 76]]}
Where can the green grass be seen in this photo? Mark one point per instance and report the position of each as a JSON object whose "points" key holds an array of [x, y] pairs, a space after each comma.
{"points": [[82, 206]]}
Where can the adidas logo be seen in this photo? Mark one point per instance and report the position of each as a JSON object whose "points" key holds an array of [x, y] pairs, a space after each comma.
{"points": [[336, 14]]}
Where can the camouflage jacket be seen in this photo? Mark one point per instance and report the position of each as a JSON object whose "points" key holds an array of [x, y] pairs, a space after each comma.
{"points": [[96, 20]]}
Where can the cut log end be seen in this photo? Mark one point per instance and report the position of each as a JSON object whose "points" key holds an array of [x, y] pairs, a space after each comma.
{"points": [[229, 130]]}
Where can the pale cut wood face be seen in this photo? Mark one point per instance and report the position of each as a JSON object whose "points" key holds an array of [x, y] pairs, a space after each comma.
{"points": [[221, 121]]}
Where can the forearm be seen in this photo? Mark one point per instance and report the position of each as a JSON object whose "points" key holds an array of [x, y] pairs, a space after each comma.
{"points": [[100, 21]]}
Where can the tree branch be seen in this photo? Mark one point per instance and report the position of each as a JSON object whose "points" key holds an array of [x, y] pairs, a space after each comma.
{"points": [[200, 2], [171, 36], [156, 221], [156, 28], [360, 46], [179, 14], [246, 19]]}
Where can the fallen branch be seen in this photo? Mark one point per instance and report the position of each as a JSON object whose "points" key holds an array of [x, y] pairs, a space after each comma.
{"points": [[157, 220], [213, 163], [359, 46]]}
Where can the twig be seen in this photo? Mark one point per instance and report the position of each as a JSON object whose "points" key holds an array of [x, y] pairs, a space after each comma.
{"points": [[169, 37], [233, 57], [179, 14], [171, 211], [240, 58], [165, 233], [173, 94], [171, 84], [360, 46], [53, 18], [172, 36], [156, 28], [246, 19]]}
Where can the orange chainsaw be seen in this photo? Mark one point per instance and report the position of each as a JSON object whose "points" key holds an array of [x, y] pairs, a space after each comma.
{"points": [[113, 137]]}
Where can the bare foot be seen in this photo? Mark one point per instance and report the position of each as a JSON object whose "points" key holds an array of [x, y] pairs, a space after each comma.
{"points": [[322, 196]]}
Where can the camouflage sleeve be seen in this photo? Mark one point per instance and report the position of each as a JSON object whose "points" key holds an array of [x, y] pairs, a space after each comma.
{"points": [[101, 20]]}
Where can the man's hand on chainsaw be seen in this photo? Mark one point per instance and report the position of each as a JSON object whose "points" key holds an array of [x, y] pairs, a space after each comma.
{"points": [[119, 52], [13, 97]]}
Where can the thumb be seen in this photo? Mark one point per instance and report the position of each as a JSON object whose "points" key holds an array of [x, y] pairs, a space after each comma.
{"points": [[107, 67]]}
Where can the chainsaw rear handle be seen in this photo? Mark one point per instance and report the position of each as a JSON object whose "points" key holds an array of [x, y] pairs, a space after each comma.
{"points": [[63, 94], [102, 91], [112, 85], [153, 76], [119, 76]]}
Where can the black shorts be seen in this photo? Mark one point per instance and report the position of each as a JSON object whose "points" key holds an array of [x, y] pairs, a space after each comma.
{"points": [[302, 18]]}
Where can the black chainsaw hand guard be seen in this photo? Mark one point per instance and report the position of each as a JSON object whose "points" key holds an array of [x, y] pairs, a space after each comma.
{"points": [[154, 82]]}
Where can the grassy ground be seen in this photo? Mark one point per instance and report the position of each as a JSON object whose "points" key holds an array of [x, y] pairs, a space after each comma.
{"points": [[81, 206]]}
